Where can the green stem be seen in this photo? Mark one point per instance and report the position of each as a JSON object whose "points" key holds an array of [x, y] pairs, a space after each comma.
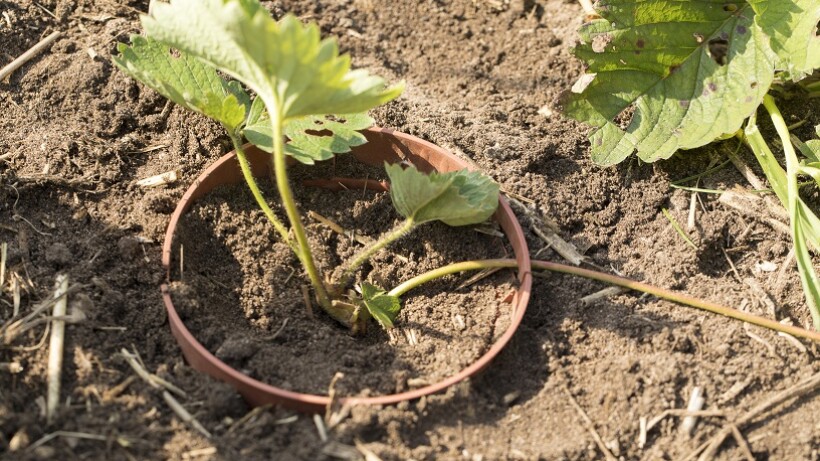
{"points": [[386, 239], [286, 194], [257, 193], [808, 277], [612, 280]]}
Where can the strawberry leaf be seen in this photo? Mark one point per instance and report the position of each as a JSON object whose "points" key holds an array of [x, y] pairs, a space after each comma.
{"points": [[183, 79], [285, 63], [458, 198], [691, 71], [311, 138], [382, 307], [792, 26]]}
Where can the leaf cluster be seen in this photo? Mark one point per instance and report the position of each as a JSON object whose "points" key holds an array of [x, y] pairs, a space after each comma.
{"points": [[686, 72]]}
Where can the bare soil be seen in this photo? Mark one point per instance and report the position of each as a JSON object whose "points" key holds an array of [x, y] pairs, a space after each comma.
{"points": [[76, 134]]}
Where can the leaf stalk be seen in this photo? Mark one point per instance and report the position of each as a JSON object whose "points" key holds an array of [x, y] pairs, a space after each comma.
{"points": [[662, 293], [286, 194], [257, 193], [365, 254]]}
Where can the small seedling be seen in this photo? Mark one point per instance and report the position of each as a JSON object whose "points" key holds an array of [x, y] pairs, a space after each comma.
{"points": [[308, 105]]}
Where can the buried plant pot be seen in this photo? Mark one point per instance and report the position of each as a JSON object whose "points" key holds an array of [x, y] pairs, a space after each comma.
{"points": [[383, 145]]}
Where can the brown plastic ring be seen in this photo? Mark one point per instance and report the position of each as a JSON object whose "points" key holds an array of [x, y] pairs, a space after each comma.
{"points": [[383, 145]]}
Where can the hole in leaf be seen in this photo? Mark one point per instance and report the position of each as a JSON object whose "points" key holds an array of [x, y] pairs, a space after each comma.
{"points": [[754, 85], [730, 7], [319, 132], [175, 53], [718, 50]]}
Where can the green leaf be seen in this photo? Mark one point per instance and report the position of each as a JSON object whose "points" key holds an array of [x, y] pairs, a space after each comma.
{"points": [[457, 198], [792, 26], [383, 307], [183, 79], [311, 138], [285, 63], [690, 70]]}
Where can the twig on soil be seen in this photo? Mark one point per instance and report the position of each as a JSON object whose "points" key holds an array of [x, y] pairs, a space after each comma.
{"points": [[735, 390], [335, 227], [366, 452], [199, 452], [278, 331], [15, 297], [55, 348], [678, 229], [741, 442], [711, 446], [121, 441], [731, 264], [153, 380], [308, 303], [602, 294], [46, 11], [477, 277], [696, 402], [169, 177], [682, 413], [3, 256], [791, 339], [693, 201], [335, 412], [25, 57], [115, 391], [320, 427], [184, 414], [249, 416], [590, 427], [567, 250]]}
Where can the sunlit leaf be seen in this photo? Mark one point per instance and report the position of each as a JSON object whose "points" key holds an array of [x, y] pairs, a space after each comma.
{"points": [[311, 138], [184, 80], [456, 198], [285, 62]]}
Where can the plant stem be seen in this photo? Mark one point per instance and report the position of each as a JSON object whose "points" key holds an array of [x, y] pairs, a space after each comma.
{"points": [[386, 239], [610, 279], [257, 193], [286, 194], [808, 277]]}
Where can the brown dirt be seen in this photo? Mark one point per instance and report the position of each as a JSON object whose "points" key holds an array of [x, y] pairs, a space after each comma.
{"points": [[75, 135]]}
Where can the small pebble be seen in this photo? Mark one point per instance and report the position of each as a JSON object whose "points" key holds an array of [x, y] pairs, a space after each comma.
{"points": [[510, 398]]}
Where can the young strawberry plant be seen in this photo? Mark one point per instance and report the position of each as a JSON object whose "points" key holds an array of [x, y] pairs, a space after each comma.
{"points": [[303, 89], [664, 77]]}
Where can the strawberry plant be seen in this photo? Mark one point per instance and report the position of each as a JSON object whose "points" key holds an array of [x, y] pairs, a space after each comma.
{"points": [[662, 77], [303, 89]]}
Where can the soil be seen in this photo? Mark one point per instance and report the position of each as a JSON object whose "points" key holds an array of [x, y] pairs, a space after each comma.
{"points": [[482, 75]]}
